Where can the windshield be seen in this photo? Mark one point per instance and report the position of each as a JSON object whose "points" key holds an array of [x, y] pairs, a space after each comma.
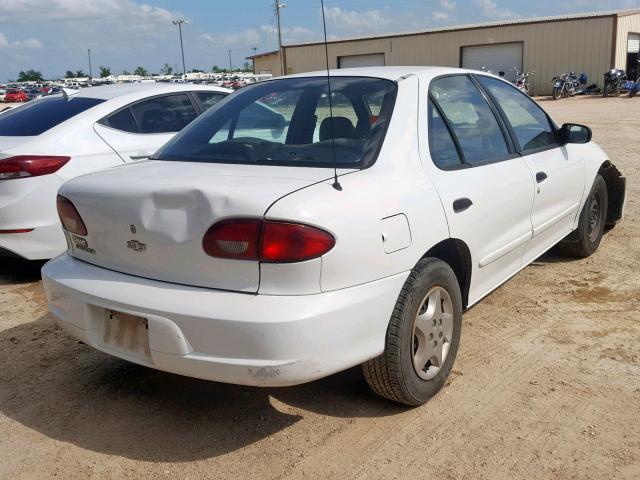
{"points": [[287, 122], [41, 115]]}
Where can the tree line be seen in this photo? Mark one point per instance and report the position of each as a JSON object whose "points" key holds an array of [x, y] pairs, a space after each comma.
{"points": [[36, 75]]}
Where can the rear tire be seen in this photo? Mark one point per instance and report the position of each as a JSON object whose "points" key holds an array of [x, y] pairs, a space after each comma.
{"points": [[585, 240], [633, 92], [422, 337]]}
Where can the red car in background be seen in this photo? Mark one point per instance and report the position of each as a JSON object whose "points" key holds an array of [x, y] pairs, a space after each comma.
{"points": [[14, 95]]}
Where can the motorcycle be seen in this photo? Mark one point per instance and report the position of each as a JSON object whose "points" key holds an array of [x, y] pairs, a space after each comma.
{"points": [[614, 82], [633, 91], [568, 85], [522, 81]]}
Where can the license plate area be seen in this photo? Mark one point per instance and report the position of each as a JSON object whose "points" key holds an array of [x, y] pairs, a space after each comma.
{"points": [[127, 334]]}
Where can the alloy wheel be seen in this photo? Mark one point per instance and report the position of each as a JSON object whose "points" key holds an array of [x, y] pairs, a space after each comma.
{"points": [[432, 333]]}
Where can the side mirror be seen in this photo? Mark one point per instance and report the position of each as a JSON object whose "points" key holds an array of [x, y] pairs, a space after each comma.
{"points": [[574, 133], [279, 124]]}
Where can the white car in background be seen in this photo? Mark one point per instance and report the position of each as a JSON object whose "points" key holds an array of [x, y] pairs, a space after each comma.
{"points": [[236, 256], [51, 140]]}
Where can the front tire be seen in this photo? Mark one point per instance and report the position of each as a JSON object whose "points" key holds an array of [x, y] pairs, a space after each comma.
{"points": [[422, 337], [585, 240], [557, 93]]}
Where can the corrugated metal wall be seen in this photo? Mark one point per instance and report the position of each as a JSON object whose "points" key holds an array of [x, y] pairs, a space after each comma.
{"points": [[267, 63], [582, 45], [626, 25]]}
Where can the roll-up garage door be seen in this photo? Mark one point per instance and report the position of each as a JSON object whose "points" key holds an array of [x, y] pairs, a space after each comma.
{"points": [[634, 43], [352, 61], [633, 55], [496, 58]]}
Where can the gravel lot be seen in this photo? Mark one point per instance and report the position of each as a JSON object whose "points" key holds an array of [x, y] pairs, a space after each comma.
{"points": [[546, 385]]}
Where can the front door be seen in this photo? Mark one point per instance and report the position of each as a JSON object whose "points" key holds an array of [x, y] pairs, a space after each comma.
{"points": [[486, 189], [559, 177]]}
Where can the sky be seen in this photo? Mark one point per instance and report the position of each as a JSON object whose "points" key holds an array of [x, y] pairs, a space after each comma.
{"points": [[53, 36]]}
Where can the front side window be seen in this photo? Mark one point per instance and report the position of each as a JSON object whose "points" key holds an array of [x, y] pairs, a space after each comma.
{"points": [[167, 114], [471, 119], [530, 124], [41, 115], [288, 122]]}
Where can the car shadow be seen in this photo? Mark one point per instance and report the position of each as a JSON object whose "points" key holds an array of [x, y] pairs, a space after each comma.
{"points": [[15, 270], [73, 393]]}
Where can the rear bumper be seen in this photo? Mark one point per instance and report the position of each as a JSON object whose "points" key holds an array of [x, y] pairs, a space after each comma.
{"points": [[39, 244], [262, 340], [30, 203]]}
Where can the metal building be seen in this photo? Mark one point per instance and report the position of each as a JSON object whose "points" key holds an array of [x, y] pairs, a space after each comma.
{"points": [[591, 43]]}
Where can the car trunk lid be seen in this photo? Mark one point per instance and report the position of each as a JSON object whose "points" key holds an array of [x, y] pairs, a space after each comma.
{"points": [[149, 219]]}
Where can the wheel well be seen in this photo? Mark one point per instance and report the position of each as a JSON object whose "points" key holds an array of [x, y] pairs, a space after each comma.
{"points": [[456, 253], [616, 186]]}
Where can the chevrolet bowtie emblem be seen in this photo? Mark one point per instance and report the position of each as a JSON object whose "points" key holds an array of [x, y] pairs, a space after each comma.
{"points": [[136, 246]]}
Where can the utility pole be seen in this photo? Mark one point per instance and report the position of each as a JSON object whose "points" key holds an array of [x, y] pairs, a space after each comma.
{"points": [[179, 23], [90, 72], [253, 60], [230, 67], [277, 5]]}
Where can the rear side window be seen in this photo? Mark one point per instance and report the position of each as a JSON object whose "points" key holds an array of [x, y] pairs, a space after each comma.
{"points": [[530, 124], [123, 120], [209, 99], [471, 119], [41, 115], [166, 114], [441, 146]]}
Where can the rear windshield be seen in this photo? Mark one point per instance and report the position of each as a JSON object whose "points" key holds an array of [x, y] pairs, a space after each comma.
{"points": [[41, 115], [288, 122]]}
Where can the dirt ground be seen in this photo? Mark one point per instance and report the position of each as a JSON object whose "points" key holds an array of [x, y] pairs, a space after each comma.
{"points": [[546, 384]]}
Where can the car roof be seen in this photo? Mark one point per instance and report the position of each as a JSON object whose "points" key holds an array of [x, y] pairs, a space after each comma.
{"points": [[108, 92], [390, 73]]}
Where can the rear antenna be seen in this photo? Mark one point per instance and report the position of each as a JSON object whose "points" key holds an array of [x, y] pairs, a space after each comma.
{"points": [[336, 182]]}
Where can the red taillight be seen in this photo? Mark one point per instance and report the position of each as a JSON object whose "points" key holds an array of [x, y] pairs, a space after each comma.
{"points": [[274, 242], [70, 217], [30, 166], [292, 242], [233, 239]]}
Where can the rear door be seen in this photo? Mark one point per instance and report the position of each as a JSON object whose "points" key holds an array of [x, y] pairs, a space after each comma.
{"points": [[485, 187], [559, 176], [138, 130]]}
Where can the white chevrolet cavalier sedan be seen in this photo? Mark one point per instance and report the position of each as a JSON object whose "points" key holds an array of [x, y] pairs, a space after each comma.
{"points": [[235, 255]]}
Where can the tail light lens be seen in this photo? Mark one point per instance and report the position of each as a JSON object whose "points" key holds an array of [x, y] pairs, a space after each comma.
{"points": [[273, 242], [233, 239], [70, 217], [292, 242], [22, 166]]}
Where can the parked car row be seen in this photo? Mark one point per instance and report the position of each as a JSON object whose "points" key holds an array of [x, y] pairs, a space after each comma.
{"points": [[18, 95]]}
